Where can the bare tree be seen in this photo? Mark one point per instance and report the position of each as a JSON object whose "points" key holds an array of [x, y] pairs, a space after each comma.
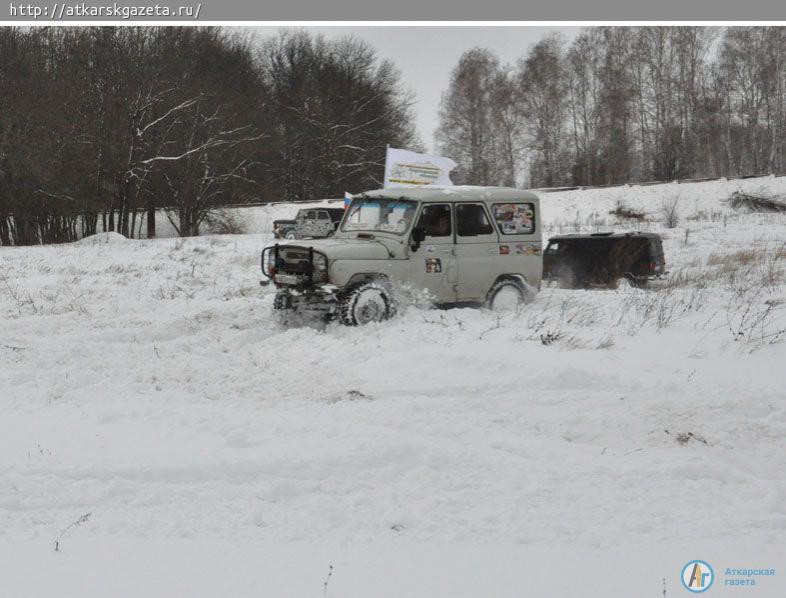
{"points": [[668, 69], [467, 117], [748, 73], [335, 108], [583, 67], [542, 94]]}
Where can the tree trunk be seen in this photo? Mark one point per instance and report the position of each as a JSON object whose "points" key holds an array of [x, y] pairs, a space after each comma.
{"points": [[151, 219], [5, 232]]}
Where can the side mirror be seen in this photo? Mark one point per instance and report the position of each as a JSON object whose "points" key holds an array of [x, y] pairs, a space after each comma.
{"points": [[418, 236]]}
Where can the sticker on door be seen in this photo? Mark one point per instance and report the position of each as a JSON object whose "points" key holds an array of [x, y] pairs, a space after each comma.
{"points": [[433, 265]]}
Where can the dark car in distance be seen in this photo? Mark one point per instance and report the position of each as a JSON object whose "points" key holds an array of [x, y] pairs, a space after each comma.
{"points": [[602, 259], [311, 223]]}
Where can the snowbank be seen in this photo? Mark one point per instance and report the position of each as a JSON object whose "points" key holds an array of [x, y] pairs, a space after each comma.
{"points": [[108, 238], [699, 200]]}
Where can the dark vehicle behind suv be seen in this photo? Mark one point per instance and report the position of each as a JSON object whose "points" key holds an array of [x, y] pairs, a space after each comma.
{"points": [[602, 259], [312, 223]]}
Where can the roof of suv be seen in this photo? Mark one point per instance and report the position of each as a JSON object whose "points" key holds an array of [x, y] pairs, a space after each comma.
{"points": [[591, 236], [433, 193]]}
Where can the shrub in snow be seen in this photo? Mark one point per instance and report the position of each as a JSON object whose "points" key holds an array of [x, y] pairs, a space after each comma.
{"points": [[623, 212], [225, 222], [670, 211], [760, 201]]}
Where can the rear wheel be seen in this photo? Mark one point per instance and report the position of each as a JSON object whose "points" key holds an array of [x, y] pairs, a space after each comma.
{"points": [[507, 295], [565, 277], [366, 303], [638, 282]]}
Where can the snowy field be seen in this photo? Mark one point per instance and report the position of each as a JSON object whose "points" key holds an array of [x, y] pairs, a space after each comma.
{"points": [[170, 439]]}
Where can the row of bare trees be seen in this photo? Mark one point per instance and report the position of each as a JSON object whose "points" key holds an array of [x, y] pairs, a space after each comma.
{"points": [[620, 104], [100, 126]]}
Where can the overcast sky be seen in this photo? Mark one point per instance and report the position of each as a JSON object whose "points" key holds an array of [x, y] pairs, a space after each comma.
{"points": [[426, 56]]}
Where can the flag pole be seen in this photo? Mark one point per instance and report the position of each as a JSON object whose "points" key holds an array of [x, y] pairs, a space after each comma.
{"points": [[385, 174]]}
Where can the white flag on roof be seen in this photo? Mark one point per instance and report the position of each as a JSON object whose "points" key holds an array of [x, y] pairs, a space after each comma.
{"points": [[404, 168]]}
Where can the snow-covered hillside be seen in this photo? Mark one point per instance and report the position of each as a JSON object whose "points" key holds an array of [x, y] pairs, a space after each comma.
{"points": [[561, 209], [443, 453]]}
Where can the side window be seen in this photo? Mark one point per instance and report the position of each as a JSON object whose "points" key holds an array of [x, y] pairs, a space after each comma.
{"points": [[311, 215], [323, 216], [435, 220], [515, 218], [471, 221]]}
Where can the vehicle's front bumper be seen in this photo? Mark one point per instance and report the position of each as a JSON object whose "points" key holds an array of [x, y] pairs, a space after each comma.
{"points": [[320, 301]]}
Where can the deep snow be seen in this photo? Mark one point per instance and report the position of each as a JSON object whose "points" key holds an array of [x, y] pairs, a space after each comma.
{"points": [[613, 434]]}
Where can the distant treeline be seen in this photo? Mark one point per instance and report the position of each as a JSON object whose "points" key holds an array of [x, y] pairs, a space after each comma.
{"points": [[103, 124], [620, 104], [99, 125]]}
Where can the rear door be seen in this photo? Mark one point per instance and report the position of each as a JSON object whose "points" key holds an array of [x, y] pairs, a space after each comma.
{"points": [[657, 257], [307, 226], [519, 250], [323, 225], [477, 250]]}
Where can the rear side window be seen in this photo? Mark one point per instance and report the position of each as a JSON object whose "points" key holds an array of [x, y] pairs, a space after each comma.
{"points": [[324, 216], [515, 218], [471, 221], [311, 215]]}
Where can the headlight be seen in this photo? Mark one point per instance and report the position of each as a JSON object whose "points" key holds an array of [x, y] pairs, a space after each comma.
{"points": [[320, 268]]}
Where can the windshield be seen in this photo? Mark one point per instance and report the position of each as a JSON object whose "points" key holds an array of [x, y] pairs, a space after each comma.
{"points": [[385, 215]]}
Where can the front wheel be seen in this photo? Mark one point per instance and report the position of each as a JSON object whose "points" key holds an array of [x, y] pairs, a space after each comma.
{"points": [[366, 303], [290, 235], [507, 295]]}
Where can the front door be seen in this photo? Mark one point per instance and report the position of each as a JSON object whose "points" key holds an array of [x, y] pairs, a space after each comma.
{"points": [[433, 265]]}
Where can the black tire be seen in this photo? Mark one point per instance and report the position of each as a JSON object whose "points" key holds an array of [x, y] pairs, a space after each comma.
{"points": [[281, 302], [638, 282], [566, 278], [291, 235], [512, 290], [368, 302]]}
